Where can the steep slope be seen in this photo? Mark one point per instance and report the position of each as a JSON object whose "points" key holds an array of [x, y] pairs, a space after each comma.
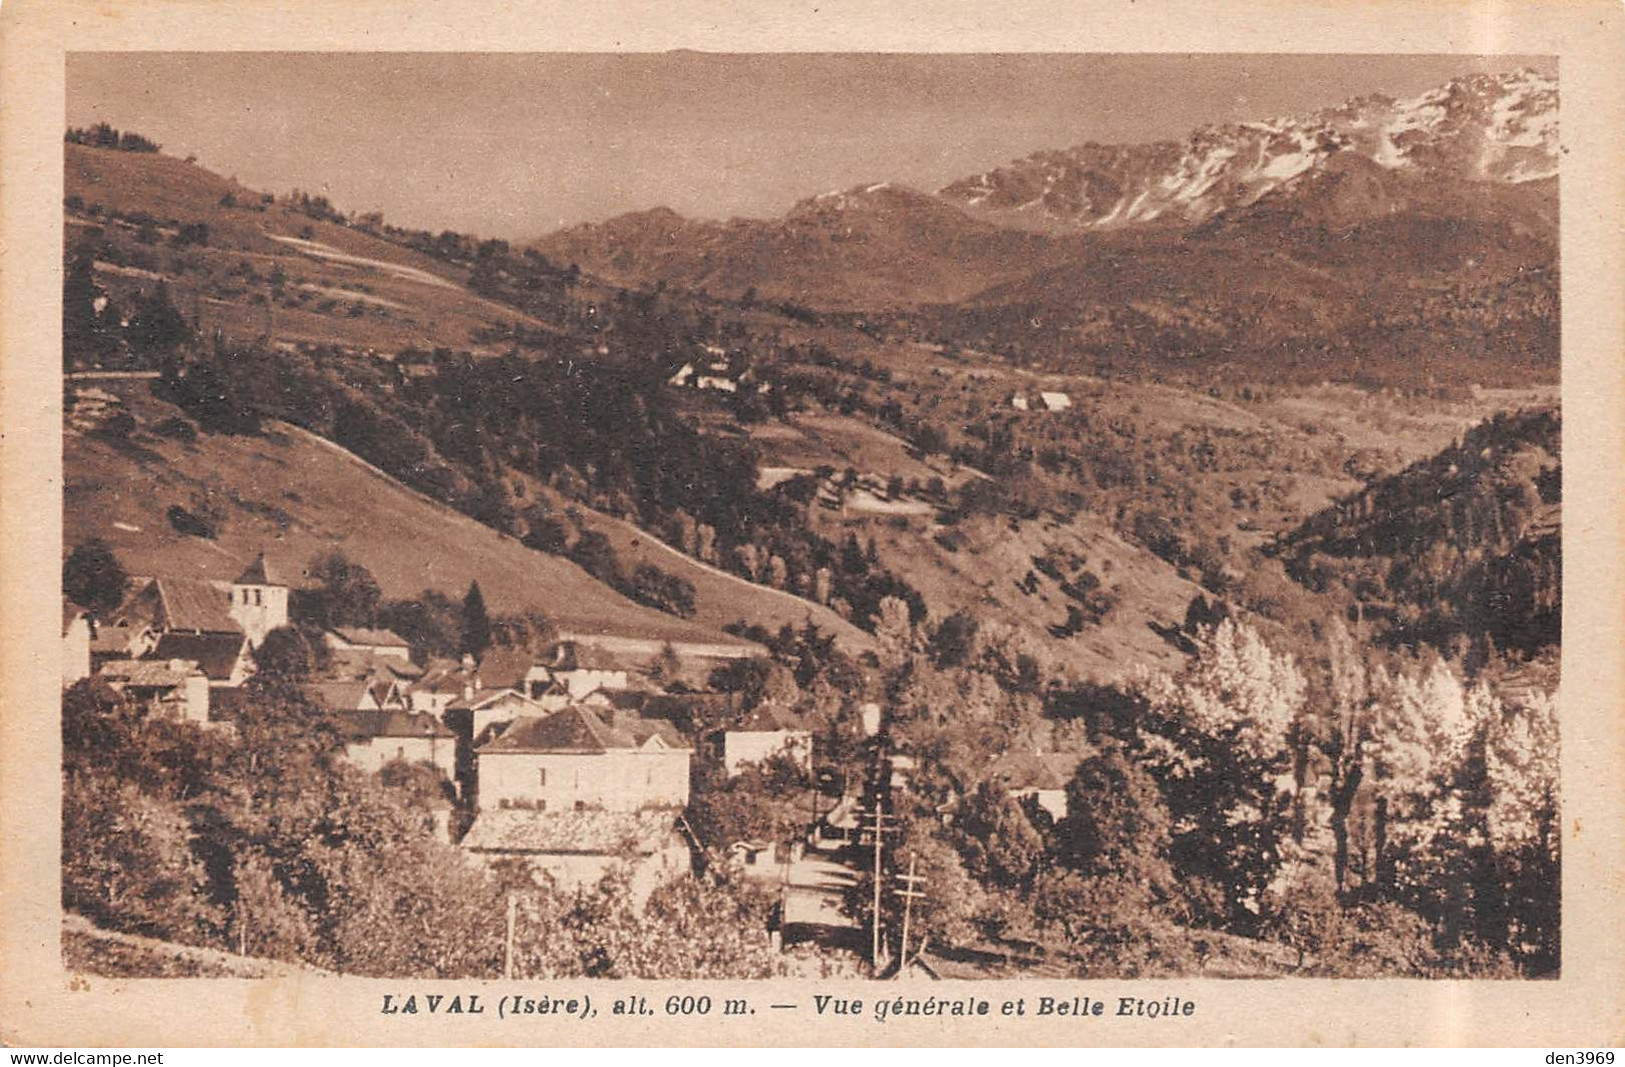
{"points": [[262, 267], [1464, 544], [296, 496]]}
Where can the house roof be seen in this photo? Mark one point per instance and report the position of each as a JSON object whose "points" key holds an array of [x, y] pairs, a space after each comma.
{"points": [[259, 573], [575, 656], [580, 729], [484, 698], [365, 635], [1034, 770], [108, 638], [388, 723], [597, 833], [501, 667], [217, 653], [357, 663], [196, 605], [768, 717], [343, 695], [148, 673], [573, 729]]}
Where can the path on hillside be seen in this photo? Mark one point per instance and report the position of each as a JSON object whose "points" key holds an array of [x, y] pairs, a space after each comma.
{"points": [[717, 572], [319, 250]]}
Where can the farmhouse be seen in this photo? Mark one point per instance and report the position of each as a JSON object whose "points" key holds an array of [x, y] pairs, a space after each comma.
{"points": [[486, 708], [574, 760], [1037, 777], [575, 849], [376, 737], [364, 639], [769, 730], [174, 687], [351, 695]]}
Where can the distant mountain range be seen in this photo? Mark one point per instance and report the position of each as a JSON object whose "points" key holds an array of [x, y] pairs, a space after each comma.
{"points": [[1480, 128], [1459, 180]]}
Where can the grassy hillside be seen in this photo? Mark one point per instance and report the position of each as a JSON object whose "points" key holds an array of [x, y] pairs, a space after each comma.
{"points": [[265, 267], [297, 496]]}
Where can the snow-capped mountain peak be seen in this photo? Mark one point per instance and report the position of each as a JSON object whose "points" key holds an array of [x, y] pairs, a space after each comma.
{"points": [[1480, 127]]}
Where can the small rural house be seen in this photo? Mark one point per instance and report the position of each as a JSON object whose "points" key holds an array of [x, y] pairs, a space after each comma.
{"points": [[374, 738], [175, 687], [769, 730], [511, 668], [1038, 777], [574, 760], [575, 849], [487, 708], [75, 645], [341, 695], [225, 658], [1054, 401], [580, 669], [382, 643]]}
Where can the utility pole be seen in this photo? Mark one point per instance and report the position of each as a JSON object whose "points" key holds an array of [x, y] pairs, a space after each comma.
{"points": [[507, 955], [910, 880], [879, 829]]}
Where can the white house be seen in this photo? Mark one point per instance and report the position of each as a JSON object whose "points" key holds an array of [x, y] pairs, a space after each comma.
{"points": [[575, 849], [1040, 777], [375, 738], [574, 760], [768, 731], [492, 707], [1055, 401]]}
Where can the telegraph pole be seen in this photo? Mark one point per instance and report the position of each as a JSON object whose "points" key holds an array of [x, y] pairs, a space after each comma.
{"points": [[879, 829], [910, 880]]}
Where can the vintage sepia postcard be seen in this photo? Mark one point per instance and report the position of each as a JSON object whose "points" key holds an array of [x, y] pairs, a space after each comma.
{"points": [[778, 526]]}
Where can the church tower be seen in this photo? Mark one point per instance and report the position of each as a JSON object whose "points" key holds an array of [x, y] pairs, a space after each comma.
{"points": [[259, 601]]}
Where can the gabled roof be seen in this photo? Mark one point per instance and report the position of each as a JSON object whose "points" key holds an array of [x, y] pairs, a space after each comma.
{"points": [[388, 723], [148, 673], [596, 833], [357, 663], [505, 667], [259, 573], [196, 605], [365, 635], [573, 729], [337, 695], [642, 730], [217, 653], [768, 718], [485, 698]]}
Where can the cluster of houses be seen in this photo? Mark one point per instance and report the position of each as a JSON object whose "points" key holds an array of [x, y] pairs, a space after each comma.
{"points": [[718, 371], [571, 759]]}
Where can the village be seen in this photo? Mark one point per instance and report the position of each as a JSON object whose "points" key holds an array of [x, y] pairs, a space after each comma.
{"points": [[575, 762]]}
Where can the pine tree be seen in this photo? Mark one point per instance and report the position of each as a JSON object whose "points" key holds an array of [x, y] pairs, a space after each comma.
{"points": [[476, 622]]}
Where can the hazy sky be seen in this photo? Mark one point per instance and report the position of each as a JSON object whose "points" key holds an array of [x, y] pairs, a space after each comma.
{"points": [[517, 145]]}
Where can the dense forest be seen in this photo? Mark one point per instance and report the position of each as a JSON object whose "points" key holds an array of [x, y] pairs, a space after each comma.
{"points": [[1460, 550]]}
